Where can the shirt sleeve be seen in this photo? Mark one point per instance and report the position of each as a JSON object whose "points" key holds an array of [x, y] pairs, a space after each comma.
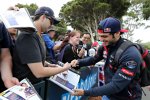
{"points": [[129, 67], [28, 49], [49, 43], [4, 37], [92, 60]]}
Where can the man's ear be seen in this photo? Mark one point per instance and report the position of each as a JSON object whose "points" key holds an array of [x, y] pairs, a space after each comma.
{"points": [[42, 18], [117, 34]]}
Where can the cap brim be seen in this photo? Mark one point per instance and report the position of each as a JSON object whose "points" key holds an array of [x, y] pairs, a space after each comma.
{"points": [[56, 21], [99, 31], [123, 31]]}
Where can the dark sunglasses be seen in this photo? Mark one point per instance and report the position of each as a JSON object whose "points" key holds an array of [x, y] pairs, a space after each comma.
{"points": [[51, 20]]}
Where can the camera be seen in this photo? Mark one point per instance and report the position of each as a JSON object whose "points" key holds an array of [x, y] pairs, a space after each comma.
{"points": [[82, 46], [79, 47]]}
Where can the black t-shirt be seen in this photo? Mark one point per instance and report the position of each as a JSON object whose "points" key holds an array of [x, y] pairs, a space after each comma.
{"points": [[29, 48], [5, 42]]}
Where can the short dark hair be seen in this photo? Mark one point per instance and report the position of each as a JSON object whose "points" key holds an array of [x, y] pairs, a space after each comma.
{"points": [[36, 17], [87, 33]]}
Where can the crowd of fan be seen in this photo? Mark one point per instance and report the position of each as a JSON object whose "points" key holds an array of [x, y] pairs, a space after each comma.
{"points": [[34, 55]]}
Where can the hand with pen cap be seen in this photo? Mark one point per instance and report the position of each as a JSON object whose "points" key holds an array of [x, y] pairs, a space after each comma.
{"points": [[67, 65], [78, 92], [74, 63]]}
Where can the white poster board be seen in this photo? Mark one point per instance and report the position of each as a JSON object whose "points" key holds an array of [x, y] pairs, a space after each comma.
{"points": [[17, 19], [24, 91], [67, 81]]}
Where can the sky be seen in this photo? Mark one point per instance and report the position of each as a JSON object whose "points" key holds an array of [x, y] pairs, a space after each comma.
{"points": [[141, 33], [54, 4]]}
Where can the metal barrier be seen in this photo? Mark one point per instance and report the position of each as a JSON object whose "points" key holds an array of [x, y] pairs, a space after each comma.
{"points": [[100, 66], [40, 88]]}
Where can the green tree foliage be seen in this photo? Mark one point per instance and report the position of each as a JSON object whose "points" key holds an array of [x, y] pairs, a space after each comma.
{"points": [[31, 8], [146, 9], [138, 41], [136, 14], [133, 19], [61, 28], [146, 45], [84, 15]]}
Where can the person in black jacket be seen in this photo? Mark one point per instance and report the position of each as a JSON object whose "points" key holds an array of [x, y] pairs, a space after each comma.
{"points": [[70, 47], [121, 81]]}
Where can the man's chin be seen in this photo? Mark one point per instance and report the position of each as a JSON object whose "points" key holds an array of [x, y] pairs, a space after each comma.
{"points": [[84, 42], [105, 43]]}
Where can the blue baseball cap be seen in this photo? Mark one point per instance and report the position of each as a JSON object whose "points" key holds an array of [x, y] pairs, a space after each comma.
{"points": [[48, 12], [110, 25]]}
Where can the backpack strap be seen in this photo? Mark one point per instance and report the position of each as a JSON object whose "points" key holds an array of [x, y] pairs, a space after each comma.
{"points": [[126, 44], [142, 50]]}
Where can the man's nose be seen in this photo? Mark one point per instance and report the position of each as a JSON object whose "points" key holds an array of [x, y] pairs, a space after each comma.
{"points": [[101, 39]]}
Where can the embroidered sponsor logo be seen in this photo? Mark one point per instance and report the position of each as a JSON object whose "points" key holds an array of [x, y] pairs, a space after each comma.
{"points": [[127, 72], [104, 54], [107, 30], [131, 67], [131, 64]]}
